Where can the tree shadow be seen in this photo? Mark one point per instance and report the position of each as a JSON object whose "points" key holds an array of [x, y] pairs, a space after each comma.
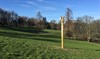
{"points": [[24, 29], [30, 36], [32, 31]]}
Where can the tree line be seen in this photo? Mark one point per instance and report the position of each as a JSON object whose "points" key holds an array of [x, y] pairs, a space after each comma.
{"points": [[12, 19], [84, 27]]}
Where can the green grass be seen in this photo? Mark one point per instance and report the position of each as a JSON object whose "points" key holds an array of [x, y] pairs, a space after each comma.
{"points": [[16, 44]]}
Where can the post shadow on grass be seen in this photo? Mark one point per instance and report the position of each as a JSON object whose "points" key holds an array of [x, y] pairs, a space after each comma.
{"points": [[97, 50], [27, 36], [23, 29]]}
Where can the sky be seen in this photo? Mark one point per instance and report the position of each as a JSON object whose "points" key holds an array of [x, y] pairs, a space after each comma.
{"points": [[53, 9]]}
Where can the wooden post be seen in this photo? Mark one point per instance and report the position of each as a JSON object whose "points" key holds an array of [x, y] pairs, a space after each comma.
{"points": [[62, 33]]}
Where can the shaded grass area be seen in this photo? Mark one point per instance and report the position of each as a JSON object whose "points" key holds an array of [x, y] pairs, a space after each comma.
{"points": [[25, 35], [23, 29], [27, 45]]}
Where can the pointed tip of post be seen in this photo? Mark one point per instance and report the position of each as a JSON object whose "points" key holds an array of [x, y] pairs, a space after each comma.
{"points": [[62, 17]]}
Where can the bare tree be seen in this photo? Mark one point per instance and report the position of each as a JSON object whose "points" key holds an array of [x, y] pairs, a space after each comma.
{"points": [[31, 22], [53, 24], [83, 27], [69, 25], [87, 20], [40, 23], [96, 28], [22, 21]]}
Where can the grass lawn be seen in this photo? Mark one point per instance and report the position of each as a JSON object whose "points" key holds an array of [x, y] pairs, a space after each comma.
{"points": [[17, 44]]}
